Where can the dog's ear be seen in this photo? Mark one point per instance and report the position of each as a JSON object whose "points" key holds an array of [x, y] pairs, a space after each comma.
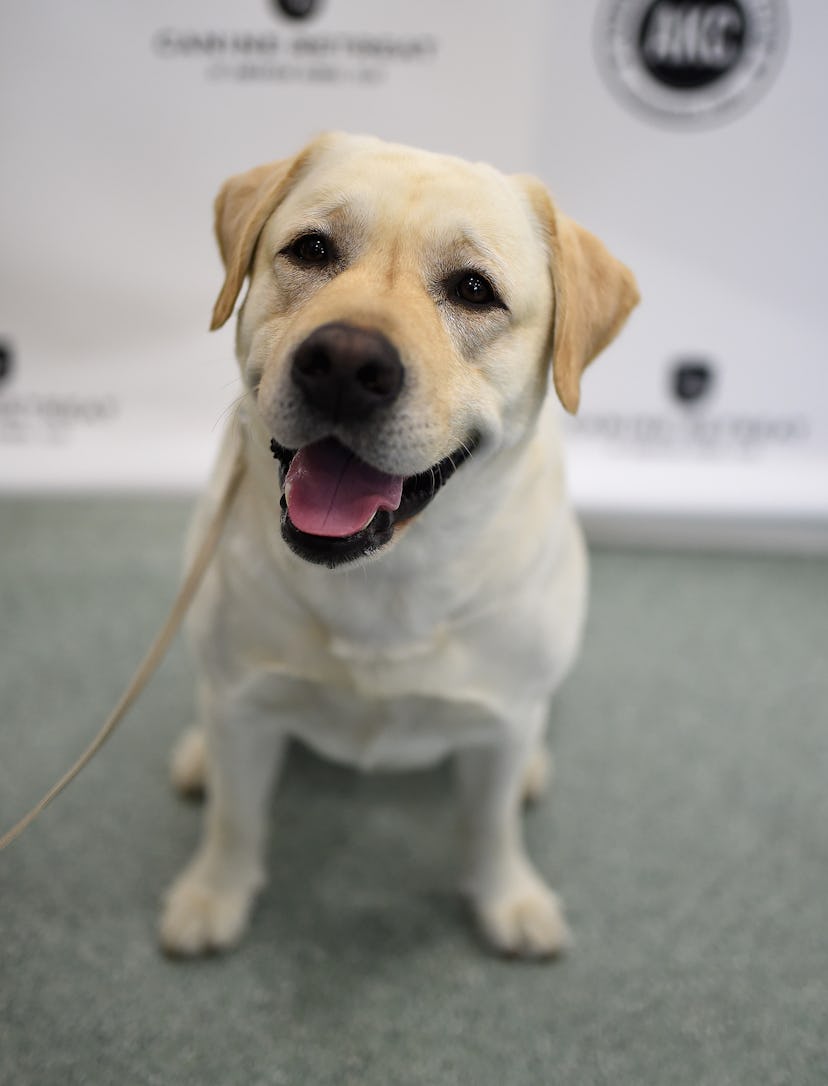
{"points": [[243, 205], [594, 294]]}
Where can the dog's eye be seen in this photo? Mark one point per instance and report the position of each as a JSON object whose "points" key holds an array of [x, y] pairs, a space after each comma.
{"points": [[311, 249], [474, 289]]}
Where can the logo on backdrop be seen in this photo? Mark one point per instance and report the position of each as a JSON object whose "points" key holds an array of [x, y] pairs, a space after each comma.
{"points": [[297, 9], [6, 362], [690, 63], [45, 418], [694, 424], [691, 381]]}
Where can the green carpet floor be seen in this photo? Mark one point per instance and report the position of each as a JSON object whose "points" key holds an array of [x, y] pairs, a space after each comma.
{"points": [[687, 830]]}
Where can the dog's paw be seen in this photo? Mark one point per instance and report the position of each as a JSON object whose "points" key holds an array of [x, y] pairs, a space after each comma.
{"points": [[527, 921], [188, 765], [537, 775], [200, 917]]}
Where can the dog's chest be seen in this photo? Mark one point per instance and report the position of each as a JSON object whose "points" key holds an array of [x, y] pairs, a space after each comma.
{"points": [[406, 732], [381, 668], [394, 704]]}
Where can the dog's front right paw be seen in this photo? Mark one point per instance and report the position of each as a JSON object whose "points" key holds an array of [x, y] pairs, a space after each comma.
{"points": [[200, 917], [526, 920]]}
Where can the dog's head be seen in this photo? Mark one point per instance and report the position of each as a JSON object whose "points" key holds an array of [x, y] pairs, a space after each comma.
{"points": [[402, 312]]}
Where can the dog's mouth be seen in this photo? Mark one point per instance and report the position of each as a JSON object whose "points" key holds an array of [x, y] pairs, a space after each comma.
{"points": [[336, 508]]}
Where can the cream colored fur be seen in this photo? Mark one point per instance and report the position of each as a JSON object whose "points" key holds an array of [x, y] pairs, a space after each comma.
{"points": [[452, 639]]}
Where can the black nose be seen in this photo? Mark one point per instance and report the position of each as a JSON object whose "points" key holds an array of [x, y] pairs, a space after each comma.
{"points": [[347, 372]]}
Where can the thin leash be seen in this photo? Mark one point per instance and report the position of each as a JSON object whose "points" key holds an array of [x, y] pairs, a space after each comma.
{"points": [[157, 650]]}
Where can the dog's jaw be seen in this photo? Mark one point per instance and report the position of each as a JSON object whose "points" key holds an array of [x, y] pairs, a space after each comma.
{"points": [[334, 551]]}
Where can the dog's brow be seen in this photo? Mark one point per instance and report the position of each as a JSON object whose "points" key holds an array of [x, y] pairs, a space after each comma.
{"points": [[336, 208], [467, 249], [467, 243]]}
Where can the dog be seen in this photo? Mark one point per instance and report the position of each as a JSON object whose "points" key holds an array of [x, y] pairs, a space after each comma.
{"points": [[401, 577]]}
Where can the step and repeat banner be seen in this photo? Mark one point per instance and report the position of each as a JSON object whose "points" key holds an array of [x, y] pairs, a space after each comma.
{"points": [[693, 134], [689, 134]]}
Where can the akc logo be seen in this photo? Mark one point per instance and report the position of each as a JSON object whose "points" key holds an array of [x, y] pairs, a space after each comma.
{"points": [[690, 62]]}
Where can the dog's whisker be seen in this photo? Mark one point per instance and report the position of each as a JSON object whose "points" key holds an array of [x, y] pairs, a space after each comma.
{"points": [[227, 412], [231, 409]]}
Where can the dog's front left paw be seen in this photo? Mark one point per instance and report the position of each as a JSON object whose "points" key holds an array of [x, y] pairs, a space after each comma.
{"points": [[525, 921], [201, 917]]}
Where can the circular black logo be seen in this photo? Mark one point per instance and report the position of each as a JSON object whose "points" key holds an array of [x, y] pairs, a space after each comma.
{"points": [[694, 62], [691, 380], [692, 45], [297, 9]]}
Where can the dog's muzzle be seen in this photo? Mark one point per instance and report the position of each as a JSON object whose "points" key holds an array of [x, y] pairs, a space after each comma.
{"points": [[337, 508]]}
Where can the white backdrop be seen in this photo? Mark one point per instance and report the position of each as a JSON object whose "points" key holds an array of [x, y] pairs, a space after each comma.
{"points": [[119, 120]]}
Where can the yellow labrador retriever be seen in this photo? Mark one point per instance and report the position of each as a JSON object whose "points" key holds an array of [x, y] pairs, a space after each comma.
{"points": [[401, 577]]}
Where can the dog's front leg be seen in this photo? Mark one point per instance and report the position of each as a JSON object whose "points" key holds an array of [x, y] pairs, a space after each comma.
{"points": [[516, 910], [208, 906]]}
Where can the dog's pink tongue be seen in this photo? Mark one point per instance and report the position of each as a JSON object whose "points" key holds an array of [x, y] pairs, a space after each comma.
{"points": [[329, 491]]}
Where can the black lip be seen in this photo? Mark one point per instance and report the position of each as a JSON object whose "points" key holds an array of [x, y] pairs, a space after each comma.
{"points": [[418, 491]]}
